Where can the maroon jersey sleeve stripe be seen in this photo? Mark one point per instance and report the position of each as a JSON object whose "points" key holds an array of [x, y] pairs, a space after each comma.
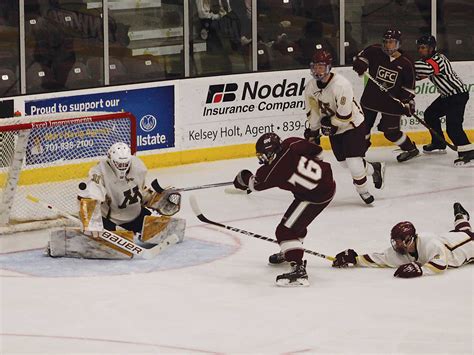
{"points": [[439, 267], [368, 258]]}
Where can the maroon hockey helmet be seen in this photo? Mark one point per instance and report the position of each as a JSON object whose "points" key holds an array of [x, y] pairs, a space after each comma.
{"points": [[321, 57], [389, 36], [401, 236], [267, 147]]}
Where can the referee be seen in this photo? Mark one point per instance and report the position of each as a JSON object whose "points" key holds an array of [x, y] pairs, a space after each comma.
{"points": [[451, 102]]}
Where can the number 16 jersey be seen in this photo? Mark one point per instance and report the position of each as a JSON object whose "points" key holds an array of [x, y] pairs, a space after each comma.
{"points": [[298, 168]]}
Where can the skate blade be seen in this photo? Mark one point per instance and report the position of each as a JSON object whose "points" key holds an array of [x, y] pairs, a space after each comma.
{"points": [[285, 263], [436, 152], [464, 165], [297, 283], [382, 172]]}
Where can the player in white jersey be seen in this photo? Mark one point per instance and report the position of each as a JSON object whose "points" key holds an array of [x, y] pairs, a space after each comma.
{"points": [[416, 254], [115, 198], [332, 110]]}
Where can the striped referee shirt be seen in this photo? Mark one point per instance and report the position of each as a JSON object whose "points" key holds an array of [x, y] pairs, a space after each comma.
{"points": [[439, 70]]}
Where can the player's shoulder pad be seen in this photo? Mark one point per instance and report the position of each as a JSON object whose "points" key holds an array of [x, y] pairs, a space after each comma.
{"points": [[310, 87], [406, 56], [289, 141], [138, 164], [373, 48], [341, 81]]}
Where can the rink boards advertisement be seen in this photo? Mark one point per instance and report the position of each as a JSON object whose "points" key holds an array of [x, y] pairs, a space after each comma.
{"points": [[183, 116], [153, 108], [237, 109]]}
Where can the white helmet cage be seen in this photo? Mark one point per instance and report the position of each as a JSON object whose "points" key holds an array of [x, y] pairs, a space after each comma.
{"points": [[119, 157]]}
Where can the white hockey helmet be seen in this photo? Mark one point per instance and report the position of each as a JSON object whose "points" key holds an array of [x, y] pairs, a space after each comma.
{"points": [[119, 157]]}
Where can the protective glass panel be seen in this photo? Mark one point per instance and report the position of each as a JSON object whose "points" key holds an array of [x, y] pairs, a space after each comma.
{"points": [[289, 31], [221, 36], [366, 22], [62, 37], [9, 49], [145, 40], [455, 30]]}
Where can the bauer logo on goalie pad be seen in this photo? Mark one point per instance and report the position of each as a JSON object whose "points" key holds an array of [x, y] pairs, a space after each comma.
{"points": [[121, 242]]}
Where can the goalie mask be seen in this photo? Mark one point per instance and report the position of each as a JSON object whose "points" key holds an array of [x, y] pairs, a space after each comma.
{"points": [[321, 64], [391, 41], [402, 235], [119, 157], [267, 147]]}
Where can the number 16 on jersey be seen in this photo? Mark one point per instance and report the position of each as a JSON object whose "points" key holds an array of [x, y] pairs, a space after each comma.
{"points": [[308, 174]]}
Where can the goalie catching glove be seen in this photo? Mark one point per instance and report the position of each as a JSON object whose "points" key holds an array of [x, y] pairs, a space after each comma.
{"points": [[166, 202]]}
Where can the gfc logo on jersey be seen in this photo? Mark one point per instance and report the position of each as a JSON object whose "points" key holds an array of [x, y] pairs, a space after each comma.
{"points": [[387, 77], [148, 123], [221, 93]]}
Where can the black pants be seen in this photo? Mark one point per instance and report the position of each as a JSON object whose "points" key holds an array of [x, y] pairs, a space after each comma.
{"points": [[134, 226], [453, 108]]}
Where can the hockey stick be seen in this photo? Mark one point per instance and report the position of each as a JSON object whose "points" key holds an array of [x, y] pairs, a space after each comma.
{"points": [[111, 237], [419, 119], [157, 187], [197, 211], [199, 187]]}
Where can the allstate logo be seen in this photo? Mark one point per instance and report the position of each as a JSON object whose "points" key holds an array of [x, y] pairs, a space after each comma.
{"points": [[148, 123]]}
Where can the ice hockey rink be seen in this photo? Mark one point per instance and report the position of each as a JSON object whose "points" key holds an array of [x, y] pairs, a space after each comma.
{"points": [[215, 293]]}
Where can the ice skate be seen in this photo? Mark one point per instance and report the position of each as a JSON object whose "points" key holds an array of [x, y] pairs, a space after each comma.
{"points": [[296, 277]]}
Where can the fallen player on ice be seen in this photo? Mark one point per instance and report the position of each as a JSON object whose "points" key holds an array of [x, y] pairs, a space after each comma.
{"points": [[415, 255]]}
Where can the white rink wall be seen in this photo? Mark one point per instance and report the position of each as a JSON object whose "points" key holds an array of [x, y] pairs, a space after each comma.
{"points": [[221, 111]]}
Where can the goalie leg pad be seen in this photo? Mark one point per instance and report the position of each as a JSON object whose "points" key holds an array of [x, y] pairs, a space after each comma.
{"points": [[156, 228], [90, 215], [72, 243]]}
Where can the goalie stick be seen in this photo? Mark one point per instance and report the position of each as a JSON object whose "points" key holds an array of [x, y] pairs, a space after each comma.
{"points": [[197, 211], [419, 119], [111, 237]]}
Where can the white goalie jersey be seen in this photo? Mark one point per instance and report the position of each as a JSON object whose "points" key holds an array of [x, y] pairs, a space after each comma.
{"points": [[336, 100], [121, 199], [435, 255]]}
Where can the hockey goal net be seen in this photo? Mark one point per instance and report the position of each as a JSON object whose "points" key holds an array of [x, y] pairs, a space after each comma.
{"points": [[47, 156]]}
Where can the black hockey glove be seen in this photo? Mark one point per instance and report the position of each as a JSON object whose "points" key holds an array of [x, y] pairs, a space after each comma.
{"points": [[345, 258], [409, 108], [408, 271], [327, 128], [359, 66], [312, 136], [242, 179]]}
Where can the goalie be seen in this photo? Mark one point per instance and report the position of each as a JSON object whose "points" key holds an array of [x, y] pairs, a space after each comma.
{"points": [[115, 198], [415, 255]]}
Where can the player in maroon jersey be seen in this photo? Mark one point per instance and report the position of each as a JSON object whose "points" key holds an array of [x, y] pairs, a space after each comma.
{"points": [[395, 71], [294, 165]]}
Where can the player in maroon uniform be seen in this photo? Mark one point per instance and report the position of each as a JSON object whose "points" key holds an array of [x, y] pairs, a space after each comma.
{"points": [[294, 165], [395, 71]]}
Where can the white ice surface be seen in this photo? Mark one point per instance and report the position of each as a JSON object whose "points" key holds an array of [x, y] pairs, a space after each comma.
{"points": [[215, 293]]}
